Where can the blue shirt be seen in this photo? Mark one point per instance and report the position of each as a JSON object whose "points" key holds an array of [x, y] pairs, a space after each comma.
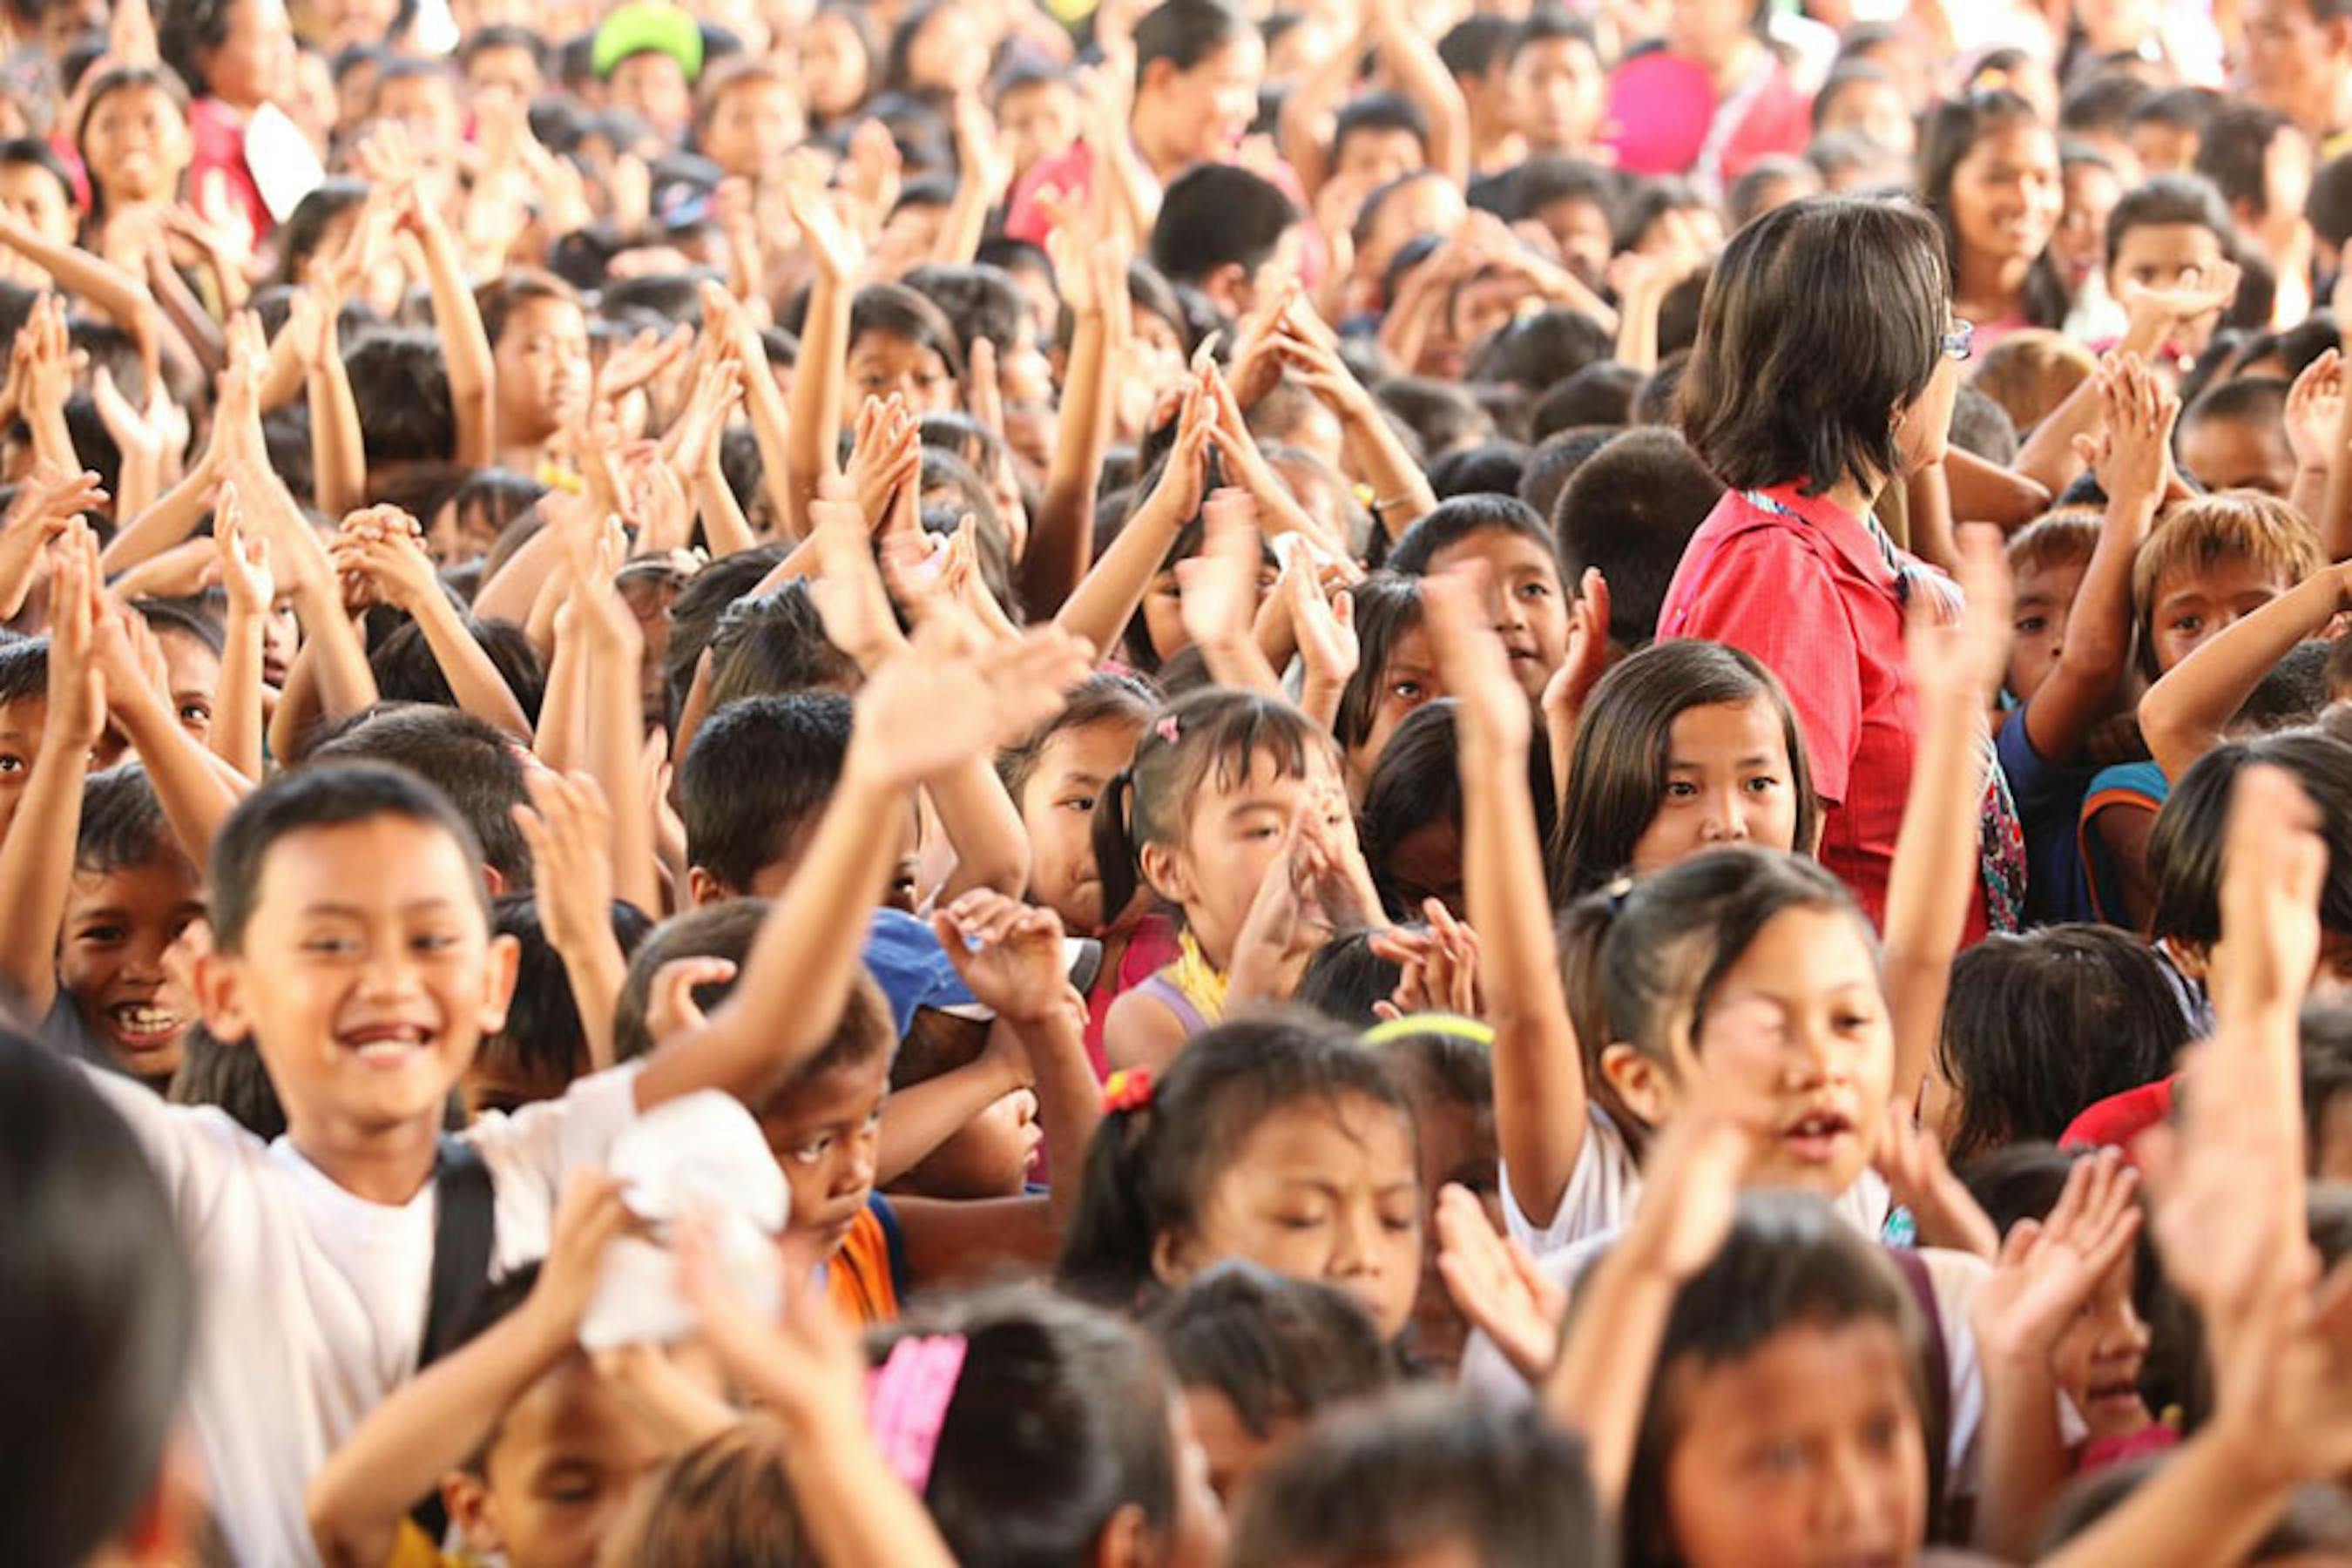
{"points": [[2139, 783], [2049, 805]]}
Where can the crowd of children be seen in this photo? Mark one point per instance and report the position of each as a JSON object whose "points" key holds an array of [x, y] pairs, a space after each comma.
{"points": [[1407, 783]]}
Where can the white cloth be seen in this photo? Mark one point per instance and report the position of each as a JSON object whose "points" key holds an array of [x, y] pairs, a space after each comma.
{"points": [[701, 1155], [312, 1301], [1607, 1183], [1953, 1278]]}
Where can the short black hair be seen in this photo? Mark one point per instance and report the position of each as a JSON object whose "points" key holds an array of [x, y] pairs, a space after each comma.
{"points": [[332, 795], [541, 1046], [2182, 108], [2184, 852], [1556, 177], [2329, 205], [1346, 978], [122, 823], [23, 670], [1218, 215], [472, 765], [503, 35], [2105, 102], [1440, 414], [2039, 1027], [1547, 23], [98, 1304], [1379, 111], [725, 930], [774, 644], [1981, 427], [408, 670], [1415, 781], [1554, 462], [1491, 467], [32, 153], [1630, 510], [981, 301], [399, 376], [1838, 303], [897, 311], [1601, 393], [1535, 352], [1474, 46], [1452, 521], [1279, 1349], [2231, 149], [185, 30], [1422, 1470], [695, 614], [2171, 199], [757, 778]]}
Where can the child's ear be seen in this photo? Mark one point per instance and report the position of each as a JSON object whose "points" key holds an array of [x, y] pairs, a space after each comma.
{"points": [[1171, 1258], [467, 1499], [1127, 1540], [494, 881], [220, 983], [1643, 1084], [1167, 871], [703, 890], [501, 964]]}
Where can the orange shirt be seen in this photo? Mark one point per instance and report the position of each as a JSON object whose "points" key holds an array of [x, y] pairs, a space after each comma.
{"points": [[862, 1280]]}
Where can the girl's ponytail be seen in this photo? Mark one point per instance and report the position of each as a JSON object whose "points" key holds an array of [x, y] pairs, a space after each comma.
{"points": [[1116, 853], [1107, 1247]]}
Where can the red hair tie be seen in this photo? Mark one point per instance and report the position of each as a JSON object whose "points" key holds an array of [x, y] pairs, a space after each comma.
{"points": [[1129, 1088]]}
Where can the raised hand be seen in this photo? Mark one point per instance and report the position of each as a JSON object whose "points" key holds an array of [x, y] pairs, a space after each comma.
{"points": [[569, 828], [384, 546], [588, 1217], [2199, 294], [45, 509], [1496, 1284], [77, 688], [1967, 658], [2133, 455], [1492, 707], [2048, 1268], [1912, 1160], [942, 701], [1326, 628], [886, 456], [642, 358], [1587, 658], [835, 248], [2314, 410], [1008, 952], [1220, 586]]}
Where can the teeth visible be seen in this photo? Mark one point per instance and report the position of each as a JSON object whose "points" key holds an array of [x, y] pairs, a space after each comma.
{"points": [[144, 1020]]}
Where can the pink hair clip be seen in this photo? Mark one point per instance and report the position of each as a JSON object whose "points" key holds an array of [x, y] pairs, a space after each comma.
{"points": [[907, 1400], [1166, 728]]}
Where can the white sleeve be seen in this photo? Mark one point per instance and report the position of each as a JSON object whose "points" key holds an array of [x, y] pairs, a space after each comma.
{"points": [[530, 1151], [1954, 1279], [1600, 1196], [197, 1150]]}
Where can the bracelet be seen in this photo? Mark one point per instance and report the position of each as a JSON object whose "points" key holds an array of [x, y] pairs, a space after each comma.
{"points": [[1385, 504]]}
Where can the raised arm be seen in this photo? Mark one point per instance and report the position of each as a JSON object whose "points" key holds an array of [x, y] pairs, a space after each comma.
{"points": [[1413, 59], [37, 859], [1108, 597], [195, 789], [2135, 467], [2187, 713], [384, 545], [251, 585], [921, 713], [1540, 1115], [1093, 280], [1219, 587], [338, 449], [820, 375], [1956, 671]]}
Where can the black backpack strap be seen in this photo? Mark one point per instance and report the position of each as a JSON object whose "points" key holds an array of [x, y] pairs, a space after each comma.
{"points": [[1938, 1414], [465, 1223]]}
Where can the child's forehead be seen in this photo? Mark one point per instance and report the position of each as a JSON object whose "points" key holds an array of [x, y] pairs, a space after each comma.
{"points": [[846, 1091], [385, 858], [1496, 543]]}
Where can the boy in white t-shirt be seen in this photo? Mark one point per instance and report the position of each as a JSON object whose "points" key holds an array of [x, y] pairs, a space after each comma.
{"points": [[352, 945]]}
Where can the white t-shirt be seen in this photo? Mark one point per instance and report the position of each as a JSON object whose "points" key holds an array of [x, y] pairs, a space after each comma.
{"points": [[1606, 1184], [313, 1300], [1953, 1280]]}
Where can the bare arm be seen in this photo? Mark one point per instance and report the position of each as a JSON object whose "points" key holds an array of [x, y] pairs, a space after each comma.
{"points": [[1061, 542], [2185, 714], [821, 374], [1106, 599]]}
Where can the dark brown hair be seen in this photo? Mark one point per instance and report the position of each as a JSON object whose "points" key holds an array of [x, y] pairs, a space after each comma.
{"points": [[1821, 323]]}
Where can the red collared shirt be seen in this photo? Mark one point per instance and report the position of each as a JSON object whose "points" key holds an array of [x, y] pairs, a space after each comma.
{"points": [[1812, 597]]}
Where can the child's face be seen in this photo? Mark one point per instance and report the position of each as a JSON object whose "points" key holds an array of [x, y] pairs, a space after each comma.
{"points": [[110, 946], [1057, 811], [833, 66], [136, 145], [2166, 256], [1212, 105], [425, 106], [2045, 596], [2236, 454], [1163, 610], [2080, 246], [1409, 683], [1557, 93], [652, 85], [32, 195], [1582, 231], [948, 53], [1236, 1454], [542, 367], [368, 975], [1806, 1451], [194, 669], [825, 1134], [1530, 611], [1728, 781], [1320, 1191], [752, 126], [883, 363], [1373, 156], [21, 727], [2006, 194], [1875, 110], [1038, 121], [505, 79], [1799, 1023], [2098, 1357], [2190, 609], [1233, 841], [1457, 1145], [561, 1468], [990, 1157]]}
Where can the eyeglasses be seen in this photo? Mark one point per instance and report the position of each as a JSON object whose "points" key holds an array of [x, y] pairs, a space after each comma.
{"points": [[1960, 341]]}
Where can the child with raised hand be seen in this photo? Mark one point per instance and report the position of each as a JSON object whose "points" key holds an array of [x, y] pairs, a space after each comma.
{"points": [[350, 946], [488, 1424], [2230, 1228], [1232, 811], [2041, 744], [1278, 1140]]}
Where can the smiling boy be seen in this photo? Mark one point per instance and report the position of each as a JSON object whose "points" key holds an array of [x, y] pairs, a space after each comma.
{"points": [[352, 945]]}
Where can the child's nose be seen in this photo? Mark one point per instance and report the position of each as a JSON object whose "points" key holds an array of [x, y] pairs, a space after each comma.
{"points": [[1357, 1252], [1724, 822]]}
